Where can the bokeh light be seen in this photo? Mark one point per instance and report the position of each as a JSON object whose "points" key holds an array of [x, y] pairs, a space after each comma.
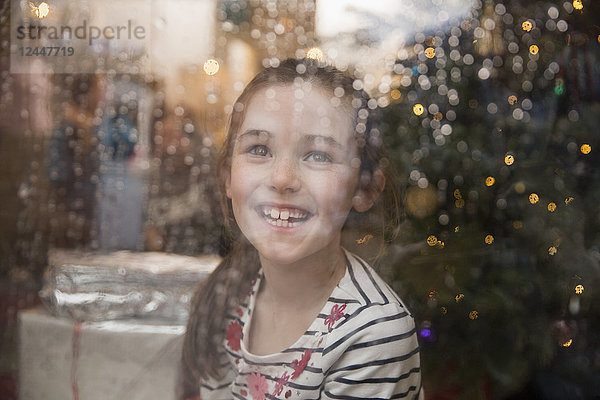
{"points": [[211, 67], [461, 94], [42, 10], [534, 49], [432, 240], [586, 148], [315, 53], [418, 109], [534, 198]]}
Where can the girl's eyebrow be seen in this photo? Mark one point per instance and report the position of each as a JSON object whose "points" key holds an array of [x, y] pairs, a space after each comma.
{"points": [[253, 132], [306, 138], [327, 139]]}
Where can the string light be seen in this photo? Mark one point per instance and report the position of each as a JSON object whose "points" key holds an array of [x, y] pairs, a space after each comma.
{"points": [[533, 49], [509, 159], [430, 52], [364, 239], [418, 109], [585, 148], [534, 198], [552, 250], [578, 4], [552, 206], [489, 239], [527, 25], [432, 240], [459, 297], [579, 289], [473, 315], [490, 180]]}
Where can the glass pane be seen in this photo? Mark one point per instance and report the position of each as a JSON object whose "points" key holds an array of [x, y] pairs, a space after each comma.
{"points": [[112, 116]]}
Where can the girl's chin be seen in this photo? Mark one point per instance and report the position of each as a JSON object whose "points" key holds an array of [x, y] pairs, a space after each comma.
{"points": [[291, 253], [278, 252]]}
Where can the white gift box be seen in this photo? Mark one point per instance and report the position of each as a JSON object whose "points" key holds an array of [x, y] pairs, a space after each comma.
{"points": [[122, 359]]}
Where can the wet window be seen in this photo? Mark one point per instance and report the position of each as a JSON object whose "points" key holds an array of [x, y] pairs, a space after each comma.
{"points": [[112, 117]]}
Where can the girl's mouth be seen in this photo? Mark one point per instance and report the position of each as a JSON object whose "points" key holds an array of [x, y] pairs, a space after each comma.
{"points": [[284, 217]]}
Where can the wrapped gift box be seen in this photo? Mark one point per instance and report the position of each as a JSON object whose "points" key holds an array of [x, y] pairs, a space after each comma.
{"points": [[126, 359], [101, 286], [112, 328]]}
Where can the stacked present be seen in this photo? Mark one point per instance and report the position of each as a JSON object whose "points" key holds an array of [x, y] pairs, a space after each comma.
{"points": [[112, 328]]}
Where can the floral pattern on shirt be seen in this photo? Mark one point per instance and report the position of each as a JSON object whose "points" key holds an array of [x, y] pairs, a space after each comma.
{"points": [[234, 336], [257, 384], [337, 312], [280, 384], [301, 365]]}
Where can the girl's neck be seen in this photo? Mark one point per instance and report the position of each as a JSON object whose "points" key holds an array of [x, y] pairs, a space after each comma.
{"points": [[304, 282]]}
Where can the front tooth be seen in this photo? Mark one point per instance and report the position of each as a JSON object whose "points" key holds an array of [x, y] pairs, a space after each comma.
{"points": [[285, 214], [274, 213]]}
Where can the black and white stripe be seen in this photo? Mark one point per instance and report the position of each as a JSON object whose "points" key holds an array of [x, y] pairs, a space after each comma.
{"points": [[371, 352]]}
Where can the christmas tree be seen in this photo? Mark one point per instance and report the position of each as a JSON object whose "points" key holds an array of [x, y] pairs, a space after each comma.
{"points": [[495, 123]]}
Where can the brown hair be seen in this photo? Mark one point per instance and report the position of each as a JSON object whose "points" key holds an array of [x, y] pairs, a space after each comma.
{"points": [[230, 282]]}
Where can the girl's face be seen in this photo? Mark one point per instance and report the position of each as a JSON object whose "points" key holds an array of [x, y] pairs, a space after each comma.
{"points": [[294, 173]]}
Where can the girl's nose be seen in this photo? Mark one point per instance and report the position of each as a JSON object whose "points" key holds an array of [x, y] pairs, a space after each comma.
{"points": [[284, 177]]}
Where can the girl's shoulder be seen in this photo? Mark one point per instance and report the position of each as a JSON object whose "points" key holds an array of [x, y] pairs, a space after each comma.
{"points": [[363, 285], [368, 320]]}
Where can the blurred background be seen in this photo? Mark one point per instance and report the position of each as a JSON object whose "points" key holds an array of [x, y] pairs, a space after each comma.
{"points": [[491, 117]]}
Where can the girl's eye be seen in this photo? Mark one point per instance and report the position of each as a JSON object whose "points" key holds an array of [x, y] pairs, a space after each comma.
{"points": [[259, 150], [318, 156]]}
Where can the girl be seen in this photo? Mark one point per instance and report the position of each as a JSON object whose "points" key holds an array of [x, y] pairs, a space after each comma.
{"points": [[289, 313]]}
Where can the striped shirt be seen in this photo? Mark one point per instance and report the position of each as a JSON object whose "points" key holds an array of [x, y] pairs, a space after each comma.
{"points": [[362, 345]]}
